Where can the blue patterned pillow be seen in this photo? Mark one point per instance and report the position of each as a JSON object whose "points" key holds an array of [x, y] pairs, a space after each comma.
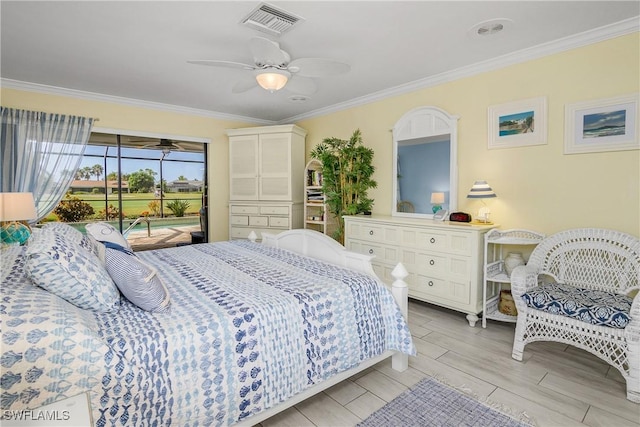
{"points": [[73, 273], [590, 306], [69, 233], [138, 281]]}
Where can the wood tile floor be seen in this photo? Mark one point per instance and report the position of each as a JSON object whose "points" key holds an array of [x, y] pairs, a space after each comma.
{"points": [[555, 384]]}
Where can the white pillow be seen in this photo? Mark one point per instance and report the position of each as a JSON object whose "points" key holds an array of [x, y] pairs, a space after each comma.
{"points": [[105, 232]]}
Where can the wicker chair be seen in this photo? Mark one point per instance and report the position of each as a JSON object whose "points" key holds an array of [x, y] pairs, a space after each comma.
{"points": [[569, 271]]}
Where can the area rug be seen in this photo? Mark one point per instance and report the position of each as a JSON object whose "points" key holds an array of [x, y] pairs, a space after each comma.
{"points": [[431, 403]]}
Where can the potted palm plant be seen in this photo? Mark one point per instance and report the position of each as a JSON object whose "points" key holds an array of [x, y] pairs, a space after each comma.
{"points": [[347, 172]]}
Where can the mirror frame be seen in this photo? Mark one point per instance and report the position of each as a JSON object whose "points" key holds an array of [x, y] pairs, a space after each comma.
{"points": [[424, 122]]}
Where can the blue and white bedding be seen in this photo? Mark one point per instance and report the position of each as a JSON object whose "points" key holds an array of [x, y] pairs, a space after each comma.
{"points": [[248, 327]]}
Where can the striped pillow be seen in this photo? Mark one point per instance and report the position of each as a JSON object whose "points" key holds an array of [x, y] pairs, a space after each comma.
{"points": [[137, 280]]}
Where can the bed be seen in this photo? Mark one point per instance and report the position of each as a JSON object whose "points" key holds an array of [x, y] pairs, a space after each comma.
{"points": [[244, 330]]}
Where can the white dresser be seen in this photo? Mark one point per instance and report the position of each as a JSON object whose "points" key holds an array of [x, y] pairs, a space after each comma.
{"points": [[444, 259], [266, 167]]}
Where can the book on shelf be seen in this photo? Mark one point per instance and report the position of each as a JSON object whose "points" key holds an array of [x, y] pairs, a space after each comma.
{"points": [[314, 196], [314, 178]]}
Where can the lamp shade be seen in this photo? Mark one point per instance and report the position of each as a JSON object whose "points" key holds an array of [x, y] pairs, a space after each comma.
{"points": [[273, 79], [17, 207], [481, 190], [437, 198]]}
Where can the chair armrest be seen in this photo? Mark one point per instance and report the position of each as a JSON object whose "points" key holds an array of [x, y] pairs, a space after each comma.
{"points": [[634, 314], [523, 278]]}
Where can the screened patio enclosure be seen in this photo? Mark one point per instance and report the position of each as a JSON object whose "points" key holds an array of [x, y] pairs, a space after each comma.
{"points": [[159, 183]]}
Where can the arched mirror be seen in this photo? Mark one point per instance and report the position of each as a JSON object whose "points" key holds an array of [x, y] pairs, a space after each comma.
{"points": [[425, 163]]}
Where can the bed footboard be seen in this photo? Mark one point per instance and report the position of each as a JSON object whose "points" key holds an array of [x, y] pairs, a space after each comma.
{"points": [[320, 246]]}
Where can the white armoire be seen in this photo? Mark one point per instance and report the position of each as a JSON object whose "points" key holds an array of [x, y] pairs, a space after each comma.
{"points": [[266, 167]]}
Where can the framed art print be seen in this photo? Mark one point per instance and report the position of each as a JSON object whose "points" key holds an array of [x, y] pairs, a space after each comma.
{"points": [[602, 125], [518, 123]]}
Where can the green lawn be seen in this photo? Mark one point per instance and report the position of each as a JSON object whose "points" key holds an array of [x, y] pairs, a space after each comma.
{"points": [[133, 204]]}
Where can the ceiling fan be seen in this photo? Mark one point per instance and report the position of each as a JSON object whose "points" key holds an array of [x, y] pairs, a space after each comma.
{"points": [[166, 145], [273, 69]]}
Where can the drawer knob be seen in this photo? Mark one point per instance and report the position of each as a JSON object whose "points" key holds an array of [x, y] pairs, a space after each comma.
{"points": [[371, 251], [371, 232], [430, 282], [432, 262], [432, 240]]}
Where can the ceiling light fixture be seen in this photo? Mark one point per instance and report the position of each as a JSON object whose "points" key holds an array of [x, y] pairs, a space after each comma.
{"points": [[490, 27], [298, 98], [272, 79]]}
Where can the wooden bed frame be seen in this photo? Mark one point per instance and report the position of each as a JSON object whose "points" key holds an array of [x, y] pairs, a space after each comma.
{"points": [[317, 245]]}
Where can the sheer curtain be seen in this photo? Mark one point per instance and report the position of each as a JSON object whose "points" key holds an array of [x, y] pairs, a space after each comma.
{"points": [[40, 153]]}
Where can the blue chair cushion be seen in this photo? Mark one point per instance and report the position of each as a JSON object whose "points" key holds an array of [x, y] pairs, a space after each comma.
{"points": [[590, 306]]}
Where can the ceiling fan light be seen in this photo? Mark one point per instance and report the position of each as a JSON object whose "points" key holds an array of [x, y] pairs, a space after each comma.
{"points": [[273, 79]]}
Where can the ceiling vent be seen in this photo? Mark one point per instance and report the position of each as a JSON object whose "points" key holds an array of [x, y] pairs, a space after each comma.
{"points": [[270, 20]]}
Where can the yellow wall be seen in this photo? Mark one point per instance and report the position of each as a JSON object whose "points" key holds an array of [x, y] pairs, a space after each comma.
{"points": [[115, 116], [538, 187]]}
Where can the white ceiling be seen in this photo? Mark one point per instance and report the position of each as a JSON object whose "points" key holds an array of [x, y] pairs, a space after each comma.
{"points": [[139, 49]]}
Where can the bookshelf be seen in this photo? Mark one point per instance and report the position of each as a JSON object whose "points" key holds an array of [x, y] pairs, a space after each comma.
{"points": [[316, 216]]}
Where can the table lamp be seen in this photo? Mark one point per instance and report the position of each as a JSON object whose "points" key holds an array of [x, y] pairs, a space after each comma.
{"points": [[481, 190], [15, 210], [437, 199]]}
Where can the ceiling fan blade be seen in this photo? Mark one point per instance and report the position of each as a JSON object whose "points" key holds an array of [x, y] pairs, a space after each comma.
{"points": [[318, 67], [301, 85], [226, 64], [244, 85], [266, 52]]}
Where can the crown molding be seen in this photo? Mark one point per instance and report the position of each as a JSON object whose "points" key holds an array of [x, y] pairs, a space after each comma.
{"points": [[621, 28], [606, 32], [92, 96]]}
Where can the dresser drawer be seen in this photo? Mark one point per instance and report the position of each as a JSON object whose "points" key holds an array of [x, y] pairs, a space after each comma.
{"points": [[428, 263], [239, 233], [274, 210], [240, 209], [430, 239], [239, 220], [439, 241], [450, 291], [259, 221], [372, 232], [368, 248], [243, 232], [275, 221]]}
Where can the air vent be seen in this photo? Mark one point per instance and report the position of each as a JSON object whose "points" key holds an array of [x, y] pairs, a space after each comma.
{"points": [[270, 20]]}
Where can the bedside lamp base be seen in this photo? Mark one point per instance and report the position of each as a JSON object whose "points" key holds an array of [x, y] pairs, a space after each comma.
{"points": [[14, 233]]}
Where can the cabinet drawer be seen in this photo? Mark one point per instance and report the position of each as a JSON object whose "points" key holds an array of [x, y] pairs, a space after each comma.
{"points": [[452, 242], [372, 233], [236, 209], [275, 221], [381, 252], [261, 221], [431, 264], [274, 210], [239, 220], [240, 233], [455, 292]]}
